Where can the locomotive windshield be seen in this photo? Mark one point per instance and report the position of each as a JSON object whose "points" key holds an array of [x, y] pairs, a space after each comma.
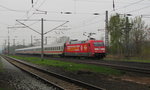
{"points": [[97, 44]]}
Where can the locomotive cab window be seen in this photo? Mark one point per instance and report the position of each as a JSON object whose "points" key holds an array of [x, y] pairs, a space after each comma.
{"points": [[98, 44]]}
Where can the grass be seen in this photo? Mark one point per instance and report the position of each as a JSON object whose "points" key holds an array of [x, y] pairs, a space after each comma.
{"points": [[131, 59], [137, 60], [71, 66]]}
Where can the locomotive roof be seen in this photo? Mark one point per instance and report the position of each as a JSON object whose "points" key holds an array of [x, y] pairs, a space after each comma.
{"points": [[86, 41], [45, 46], [95, 40]]}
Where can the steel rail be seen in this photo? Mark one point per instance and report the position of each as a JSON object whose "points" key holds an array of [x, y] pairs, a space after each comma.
{"points": [[127, 68], [71, 80], [120, 67], [57, 87], [115, 66]]}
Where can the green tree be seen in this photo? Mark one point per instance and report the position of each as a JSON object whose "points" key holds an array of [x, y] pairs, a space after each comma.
{"points": [[138, 35], [115, 27], [128, 37]]}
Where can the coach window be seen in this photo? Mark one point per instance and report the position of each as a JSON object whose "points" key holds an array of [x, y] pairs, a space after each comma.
{"points": [[98, 44]]}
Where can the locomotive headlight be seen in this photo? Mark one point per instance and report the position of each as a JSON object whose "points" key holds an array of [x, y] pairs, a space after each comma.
{"points": [[97, 49], [102, 48]]}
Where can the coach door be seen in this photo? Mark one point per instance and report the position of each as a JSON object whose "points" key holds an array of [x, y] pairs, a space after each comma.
{"points": [[89, 50]]}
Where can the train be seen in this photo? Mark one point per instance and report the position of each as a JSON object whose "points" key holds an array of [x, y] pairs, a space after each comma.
{"points": [[73, 48]]}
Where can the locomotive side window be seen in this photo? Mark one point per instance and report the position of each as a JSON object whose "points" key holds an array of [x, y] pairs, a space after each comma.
{"points": [[56, 48], [97, 44]]}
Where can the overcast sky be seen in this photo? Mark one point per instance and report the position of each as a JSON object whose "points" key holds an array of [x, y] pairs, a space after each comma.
{"points": [[81, 20]]}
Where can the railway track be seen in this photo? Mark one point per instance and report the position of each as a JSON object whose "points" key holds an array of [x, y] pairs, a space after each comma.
{"points": [[60, 82], [126, 66], [120, 66]]}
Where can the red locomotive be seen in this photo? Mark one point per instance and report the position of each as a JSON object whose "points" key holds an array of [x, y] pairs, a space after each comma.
{"points": [[89, 48]]}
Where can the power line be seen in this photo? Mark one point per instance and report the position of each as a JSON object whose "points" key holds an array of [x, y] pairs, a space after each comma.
{"points": [[28, 11], [41, 4], [89, 24], [36, 9], [100, 1], [130, 4], [12, 9], [56, 27], [138, 9], [28, 27], [118, 8]]}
